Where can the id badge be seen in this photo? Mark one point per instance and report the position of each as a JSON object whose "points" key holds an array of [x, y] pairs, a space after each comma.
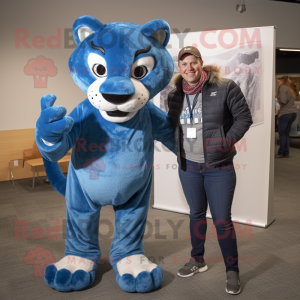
{"points": [[191, 133]]}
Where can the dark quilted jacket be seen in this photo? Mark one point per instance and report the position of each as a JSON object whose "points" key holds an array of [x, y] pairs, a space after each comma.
{"points": [[225, 112]]}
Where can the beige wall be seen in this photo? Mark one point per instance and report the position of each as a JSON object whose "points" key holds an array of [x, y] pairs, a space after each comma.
{"points": [[20, 101]]}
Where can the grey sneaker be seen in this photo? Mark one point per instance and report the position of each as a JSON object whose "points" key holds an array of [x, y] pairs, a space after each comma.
{"points": [[233, 285], [191, 268]]}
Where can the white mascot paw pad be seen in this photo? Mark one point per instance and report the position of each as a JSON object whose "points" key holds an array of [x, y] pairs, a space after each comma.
{"points": [[74, 263]]}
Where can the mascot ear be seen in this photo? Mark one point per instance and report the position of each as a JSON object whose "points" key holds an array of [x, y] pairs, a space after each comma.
{"points": [[158, 29], [84, 26]]}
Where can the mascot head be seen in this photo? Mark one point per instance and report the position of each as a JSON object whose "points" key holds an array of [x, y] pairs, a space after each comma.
{"points": [[120, 65]]}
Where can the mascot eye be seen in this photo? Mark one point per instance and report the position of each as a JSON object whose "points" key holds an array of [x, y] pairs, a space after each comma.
{"points": [[139, 72], [99, 70]]}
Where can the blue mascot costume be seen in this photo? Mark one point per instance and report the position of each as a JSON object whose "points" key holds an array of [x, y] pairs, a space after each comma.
{"points": [[121, 66]]}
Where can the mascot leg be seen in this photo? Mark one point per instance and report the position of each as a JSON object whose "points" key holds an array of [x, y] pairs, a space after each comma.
{"points": [[76, 271], [135, 273]]}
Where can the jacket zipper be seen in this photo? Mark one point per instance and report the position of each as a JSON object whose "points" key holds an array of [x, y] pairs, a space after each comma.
{"points": [[203, 131], [179, 130]]}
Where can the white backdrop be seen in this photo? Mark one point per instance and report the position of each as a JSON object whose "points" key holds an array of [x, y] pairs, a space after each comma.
{"points": [[254, 163]]}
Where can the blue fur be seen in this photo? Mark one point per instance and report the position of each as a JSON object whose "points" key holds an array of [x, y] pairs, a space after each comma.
{"points": [[87, 21], [157, 275], [151, 27], [126, 283], [64, 281], [143, 283], [55, 176], [120, 56], [122, 152], [50, 272], [124, 86]]}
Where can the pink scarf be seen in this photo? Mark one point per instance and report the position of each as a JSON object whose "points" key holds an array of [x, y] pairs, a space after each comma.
{"points": [[191, 90]]}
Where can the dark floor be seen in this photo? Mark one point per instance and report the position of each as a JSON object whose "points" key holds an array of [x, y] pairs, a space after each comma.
{"points": [[269, 267]]}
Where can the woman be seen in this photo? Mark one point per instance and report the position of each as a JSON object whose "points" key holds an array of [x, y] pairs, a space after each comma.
{"points": [[218, 116], [286, 94]]}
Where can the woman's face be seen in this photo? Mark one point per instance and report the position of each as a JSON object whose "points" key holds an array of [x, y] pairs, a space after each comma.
{"points": [[190, 68], [280, 82]]}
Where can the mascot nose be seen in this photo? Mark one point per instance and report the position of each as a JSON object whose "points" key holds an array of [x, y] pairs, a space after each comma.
{"points": [[117, 89], [116, 99]]}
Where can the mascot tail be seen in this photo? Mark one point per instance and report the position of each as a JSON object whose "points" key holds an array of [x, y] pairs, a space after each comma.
{"points": [[56, 176]]}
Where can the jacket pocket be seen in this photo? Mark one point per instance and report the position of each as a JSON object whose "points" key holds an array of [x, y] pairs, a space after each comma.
{"points": [[212, 137], [216, 142]]}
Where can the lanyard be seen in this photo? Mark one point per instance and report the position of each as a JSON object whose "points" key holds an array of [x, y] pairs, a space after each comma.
{"points": [[194, 104]]}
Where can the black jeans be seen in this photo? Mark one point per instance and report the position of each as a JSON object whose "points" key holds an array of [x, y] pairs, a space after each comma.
{"points": [[214, 185], [284, 127]]}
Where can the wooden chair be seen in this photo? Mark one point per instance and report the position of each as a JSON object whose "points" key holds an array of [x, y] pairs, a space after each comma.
{"points": [[34, 159]]}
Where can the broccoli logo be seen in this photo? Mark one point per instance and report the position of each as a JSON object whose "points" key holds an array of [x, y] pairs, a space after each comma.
{"points": [[39, 258], [94, 166], [40, 68]]}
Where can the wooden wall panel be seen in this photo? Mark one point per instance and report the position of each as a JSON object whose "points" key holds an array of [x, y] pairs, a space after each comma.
{"points": [[12, 145]]}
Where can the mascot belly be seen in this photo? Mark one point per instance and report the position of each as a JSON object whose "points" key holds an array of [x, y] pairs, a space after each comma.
{"points": [[121, 66]]}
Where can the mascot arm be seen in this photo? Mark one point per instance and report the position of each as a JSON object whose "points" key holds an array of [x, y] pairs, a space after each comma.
{"points": [[161, 127], [55, 133]]}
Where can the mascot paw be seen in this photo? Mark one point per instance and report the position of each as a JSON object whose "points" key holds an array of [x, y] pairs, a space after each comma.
{"points": [[137, 274], [71, 273]]}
